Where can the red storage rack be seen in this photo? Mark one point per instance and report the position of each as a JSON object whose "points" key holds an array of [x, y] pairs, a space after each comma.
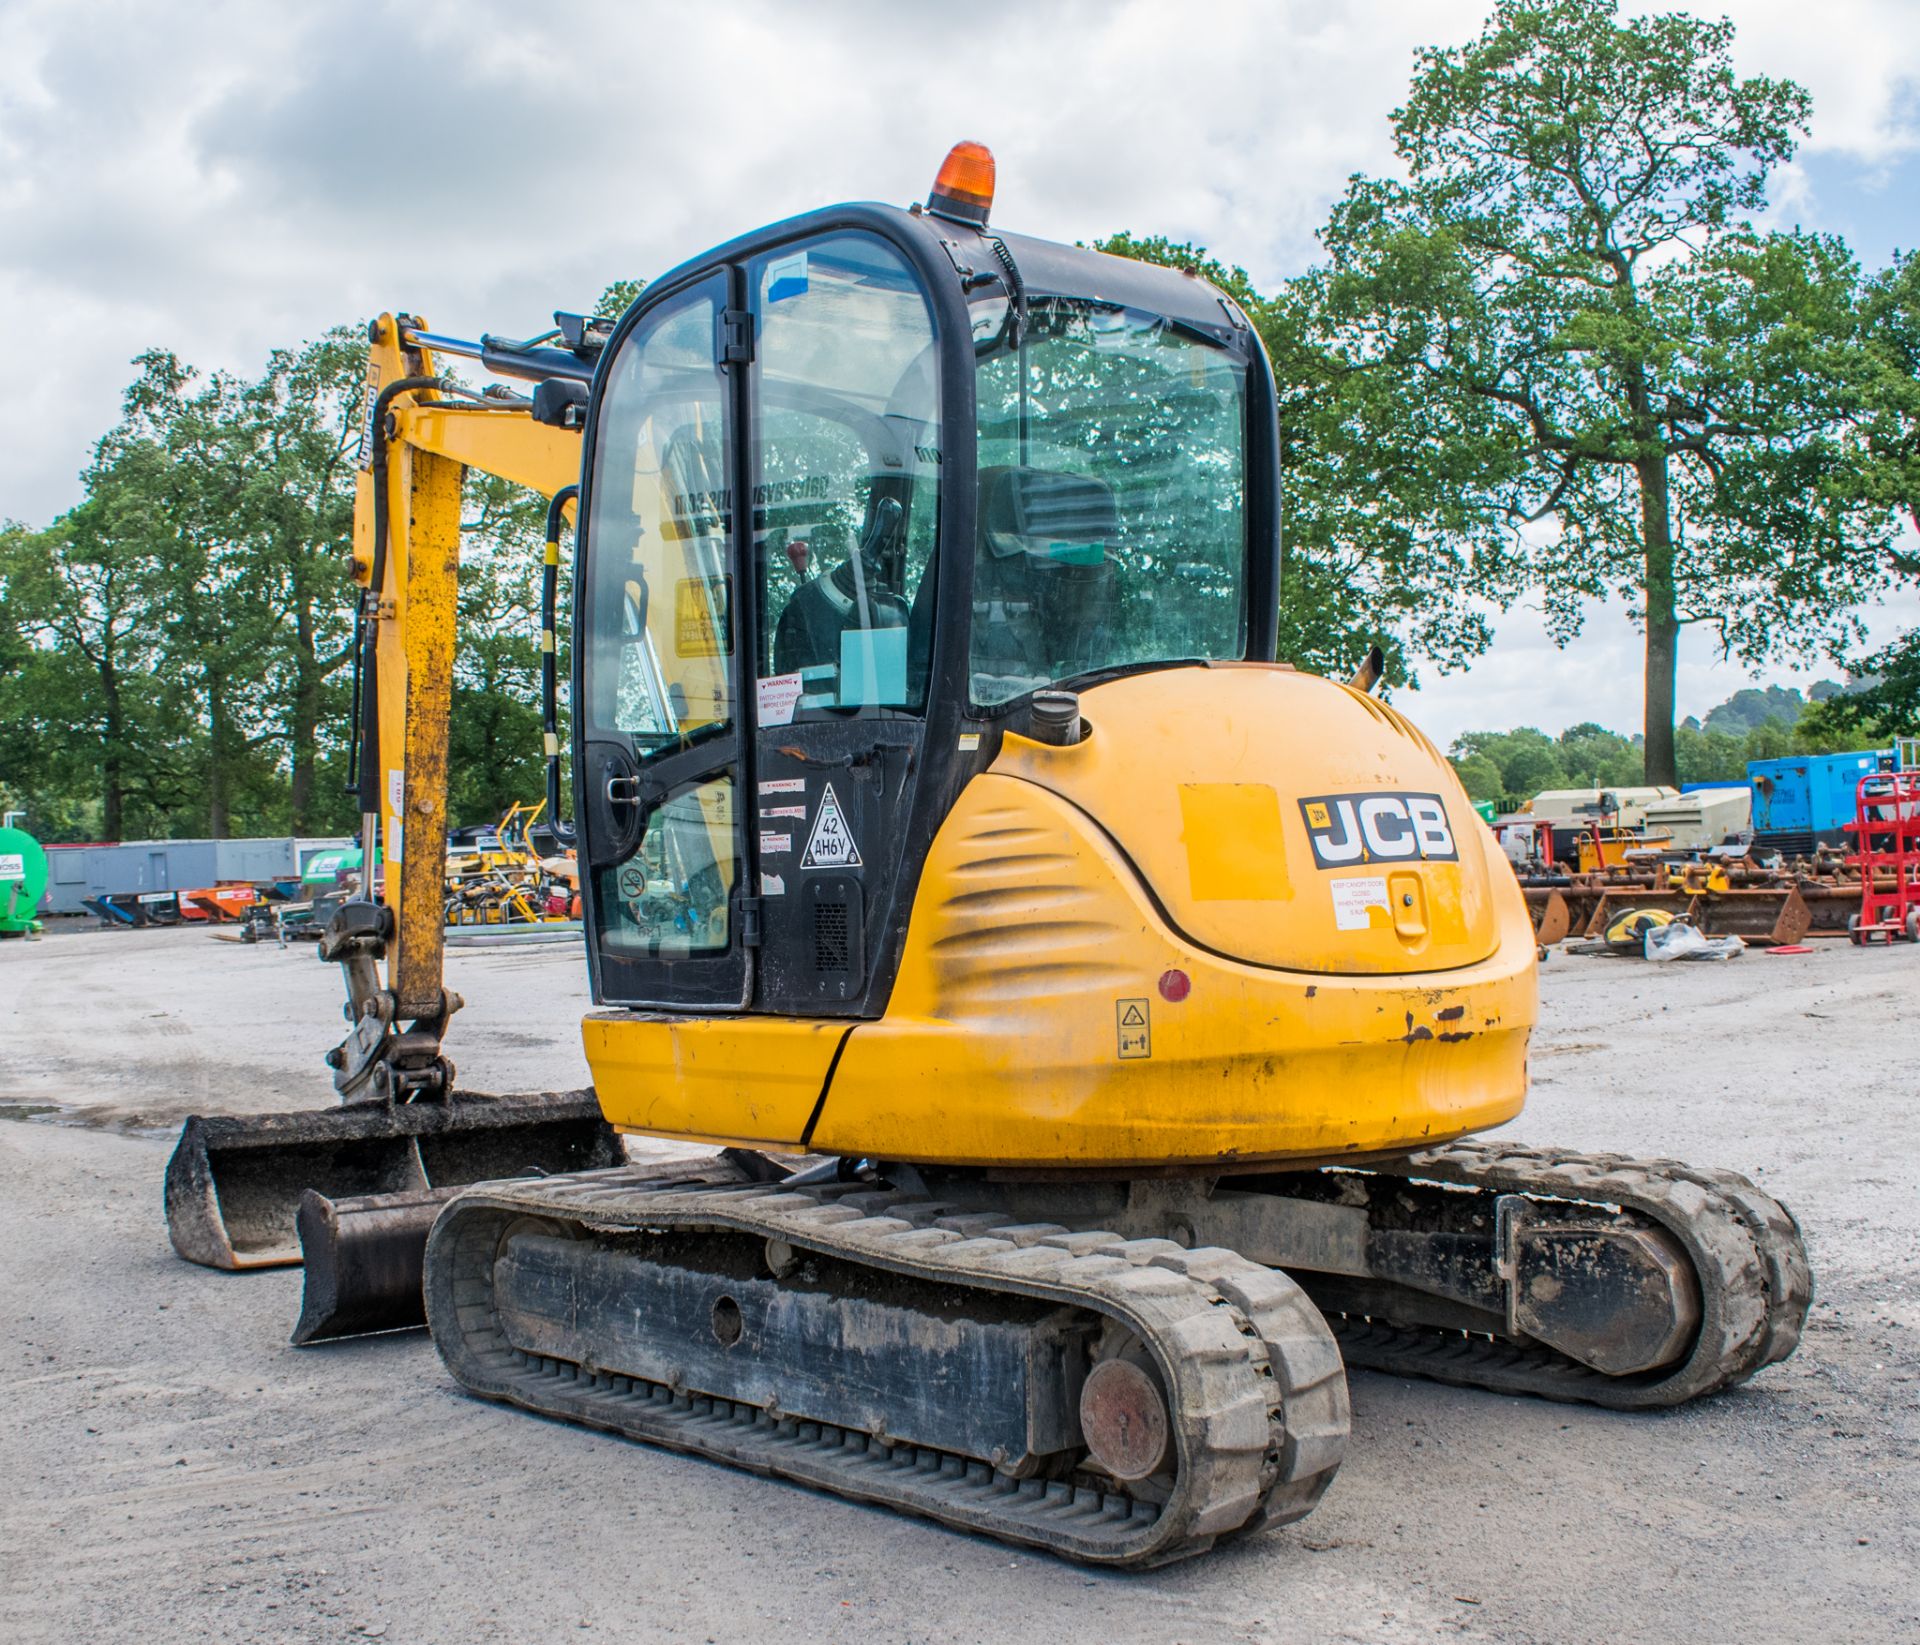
{"points": [[1886, 839]]}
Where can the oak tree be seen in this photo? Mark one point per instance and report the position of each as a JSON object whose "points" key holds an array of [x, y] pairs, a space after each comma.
{"points": [[1660, 397]]}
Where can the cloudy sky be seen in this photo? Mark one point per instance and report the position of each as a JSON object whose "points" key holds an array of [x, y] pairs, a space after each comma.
{"points": [[220, 178]]}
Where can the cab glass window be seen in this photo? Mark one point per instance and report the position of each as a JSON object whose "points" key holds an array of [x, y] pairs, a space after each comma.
{"points": [[1112, 526], [847, 427], [658, 665], [673, 897]]}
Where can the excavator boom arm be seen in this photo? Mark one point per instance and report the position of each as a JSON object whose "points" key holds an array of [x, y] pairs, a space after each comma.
{"points": [[419, 444]]}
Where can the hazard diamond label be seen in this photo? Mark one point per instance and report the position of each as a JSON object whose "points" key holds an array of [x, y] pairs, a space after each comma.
{"points": [[830, 845]]}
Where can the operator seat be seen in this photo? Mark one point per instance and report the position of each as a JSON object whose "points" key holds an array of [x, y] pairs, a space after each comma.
{"points": [[856, 594], [1043, 579]]}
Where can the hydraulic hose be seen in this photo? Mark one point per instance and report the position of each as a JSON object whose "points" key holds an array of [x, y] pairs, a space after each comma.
{"points": [[563, 831]]}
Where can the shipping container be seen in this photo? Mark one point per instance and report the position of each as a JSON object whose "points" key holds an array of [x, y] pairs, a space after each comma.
{"points": [[136, 867]]}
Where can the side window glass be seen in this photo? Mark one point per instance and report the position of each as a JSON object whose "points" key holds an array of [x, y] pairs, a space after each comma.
{"points": [[659, 660], [670, 898], [847, 497]]}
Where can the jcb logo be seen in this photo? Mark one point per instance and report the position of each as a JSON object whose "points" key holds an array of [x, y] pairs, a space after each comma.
{"points": [[1350, 828]]}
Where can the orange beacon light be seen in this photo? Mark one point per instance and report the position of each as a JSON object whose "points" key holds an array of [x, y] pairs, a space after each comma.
{"points": [[964, 187]]}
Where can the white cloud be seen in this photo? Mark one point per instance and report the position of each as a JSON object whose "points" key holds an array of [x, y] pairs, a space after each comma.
{"points": [[225, 177], [1526, 680]]}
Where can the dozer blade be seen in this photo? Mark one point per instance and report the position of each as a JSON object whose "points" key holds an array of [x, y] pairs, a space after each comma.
{"points": [[363, 1259], [234, 1183]]}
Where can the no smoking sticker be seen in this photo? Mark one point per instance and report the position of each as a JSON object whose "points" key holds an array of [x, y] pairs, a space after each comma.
{"points": [[1133, 1028]]}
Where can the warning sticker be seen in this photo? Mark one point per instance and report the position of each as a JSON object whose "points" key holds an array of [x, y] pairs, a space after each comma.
{"points": [[702, 620], [795, 811], [1355, 897], [773, 844], [784, 785], [830, 845], [1133, 1028], [778, 694], [772, 885]]}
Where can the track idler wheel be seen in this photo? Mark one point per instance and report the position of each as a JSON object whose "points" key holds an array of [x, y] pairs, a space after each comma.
{"points": [[1124, 1420]]}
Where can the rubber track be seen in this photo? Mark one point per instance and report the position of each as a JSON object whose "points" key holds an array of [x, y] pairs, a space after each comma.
{"points": [[1257, 1388], [1746, 1249]]}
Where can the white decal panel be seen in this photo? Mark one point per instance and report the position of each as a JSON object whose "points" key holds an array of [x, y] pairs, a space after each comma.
{"points": [[1354, 898]]}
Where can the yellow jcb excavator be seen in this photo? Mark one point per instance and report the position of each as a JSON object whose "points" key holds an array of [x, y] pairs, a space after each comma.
{"points": [[1086, 1005]]}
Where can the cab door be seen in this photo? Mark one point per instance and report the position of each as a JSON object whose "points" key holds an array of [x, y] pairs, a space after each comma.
{"points": [[658, 718], [846, 458]]}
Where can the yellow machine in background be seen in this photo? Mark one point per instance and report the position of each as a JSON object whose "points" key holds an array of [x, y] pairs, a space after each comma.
{"points": [[510, 883], [945, 813]]}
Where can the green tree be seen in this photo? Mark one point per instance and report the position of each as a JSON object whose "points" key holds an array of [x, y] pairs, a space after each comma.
{"points": [[1593, 757], [1890, 323], [172, 477], [1528, 759], [1661, 400], [1480, 776], [1885, 703], [495, 752], [618, 298], [89, 732], [297, 429]]}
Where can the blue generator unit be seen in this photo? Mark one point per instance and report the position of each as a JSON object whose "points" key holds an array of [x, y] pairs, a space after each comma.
{"points": [[1807, 800]]}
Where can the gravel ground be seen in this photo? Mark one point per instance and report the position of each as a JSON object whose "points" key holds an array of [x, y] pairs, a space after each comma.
{"points": [[171, 1471]]}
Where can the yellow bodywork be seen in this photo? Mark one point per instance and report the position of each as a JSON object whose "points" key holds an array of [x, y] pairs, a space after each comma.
{"points": [[1034, 1022]]}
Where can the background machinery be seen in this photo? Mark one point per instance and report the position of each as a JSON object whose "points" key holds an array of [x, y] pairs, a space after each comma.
{"points": [[1088, 1008], [23, 880]]}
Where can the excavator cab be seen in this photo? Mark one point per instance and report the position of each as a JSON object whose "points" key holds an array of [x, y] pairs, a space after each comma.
{"points": [[857, 488]]}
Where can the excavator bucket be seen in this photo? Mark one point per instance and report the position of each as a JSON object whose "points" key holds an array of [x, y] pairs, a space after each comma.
{"points": [[1767, 918], [1563, 911], [234, 1184], [363, 1259], [1830, 906], [1551, 919]]}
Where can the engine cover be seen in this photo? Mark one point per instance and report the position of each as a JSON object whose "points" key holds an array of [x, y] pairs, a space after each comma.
{"points": [[1283, 819]]}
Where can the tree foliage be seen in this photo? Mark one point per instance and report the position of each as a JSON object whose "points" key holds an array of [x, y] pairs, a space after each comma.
{"points": [[1516, 765], [174, 651], [1638, 392], [618, 298], [1890, 322]]}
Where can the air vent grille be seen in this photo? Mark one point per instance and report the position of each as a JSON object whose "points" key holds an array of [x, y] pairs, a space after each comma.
{"points": [[832, 945]]}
